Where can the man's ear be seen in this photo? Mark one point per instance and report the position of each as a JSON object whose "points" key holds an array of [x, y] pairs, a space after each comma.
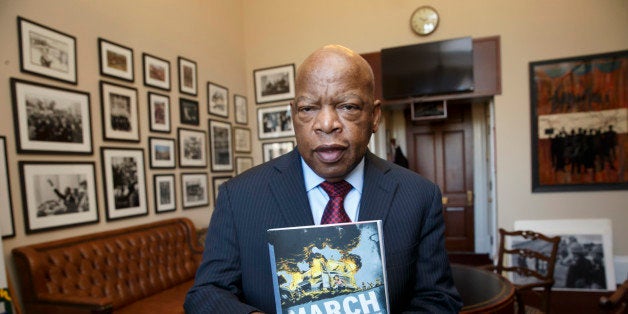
{"points": [[377, 114]]}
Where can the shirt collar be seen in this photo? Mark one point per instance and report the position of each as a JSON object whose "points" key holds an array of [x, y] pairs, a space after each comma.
{"points": [[355, 177]]}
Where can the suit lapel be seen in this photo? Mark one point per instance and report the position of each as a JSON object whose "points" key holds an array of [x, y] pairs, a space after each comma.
{"points": [[289, 191], [378, 190]]}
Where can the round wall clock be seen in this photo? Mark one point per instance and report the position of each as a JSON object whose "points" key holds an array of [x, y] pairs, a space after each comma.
{"points": [[424, 20]]}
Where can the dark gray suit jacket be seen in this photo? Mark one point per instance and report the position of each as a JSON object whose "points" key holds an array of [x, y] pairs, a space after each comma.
{"points": [[235, 274]]}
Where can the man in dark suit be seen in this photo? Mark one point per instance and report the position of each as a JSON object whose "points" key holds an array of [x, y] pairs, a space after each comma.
{"points": [[334, 115]]}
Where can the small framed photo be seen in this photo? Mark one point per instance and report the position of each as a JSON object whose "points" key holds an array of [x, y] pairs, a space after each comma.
{"points": [[217, 181], [240, 109], [159, 110], [120, 118], [58, 195], [217, 100], [188, 111], [243, 164], [194, 190], [242, 140], [46, 52], [125, 183], [274, 84], [192, 149], [429, 110], [162, 152], [156, 72], [6, 209], [220, 143], [187, 76], [115, 60], [273, 150], [274, 122], [50, 119], [164, 193]]}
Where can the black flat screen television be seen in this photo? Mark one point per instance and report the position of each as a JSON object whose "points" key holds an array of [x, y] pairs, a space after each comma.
{"points": [[439, 67]]}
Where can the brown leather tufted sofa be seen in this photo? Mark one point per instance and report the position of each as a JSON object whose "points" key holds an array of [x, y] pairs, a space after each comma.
{"points": [[142, 269]]}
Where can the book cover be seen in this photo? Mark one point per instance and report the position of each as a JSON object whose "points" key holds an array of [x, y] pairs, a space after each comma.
{"points": [[335, 268]]}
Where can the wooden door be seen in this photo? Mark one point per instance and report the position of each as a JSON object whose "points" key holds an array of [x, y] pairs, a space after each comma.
{"points": [[442, 151]]}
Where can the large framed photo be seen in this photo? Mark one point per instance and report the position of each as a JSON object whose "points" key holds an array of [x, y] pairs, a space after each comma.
{"points": [[125, 182], [243, 164], [116, 60], [242, 140], [120, 118], [274, 84], [188, 111], [51, 119], [156, 72], [241, 110], [162, 152], [187, 76], [579, 115], [58, 194], [585, 253], [274, 122], [220, 143], [192, 148], [217, 100], [217, 182], [273, 150], [46, 52], [194, 190], [159, 111], [6, 208], [164, 191]]}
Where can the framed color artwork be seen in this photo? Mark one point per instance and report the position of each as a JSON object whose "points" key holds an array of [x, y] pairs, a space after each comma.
{"points": [[162, 152], [187, 76], [156, 72], [115, 60], [159, 111]]}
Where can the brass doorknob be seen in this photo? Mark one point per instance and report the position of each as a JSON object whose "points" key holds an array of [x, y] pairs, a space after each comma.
{"points": [[445, 200]]}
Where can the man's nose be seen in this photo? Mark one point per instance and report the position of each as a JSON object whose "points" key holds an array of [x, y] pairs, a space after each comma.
{"points": [[327, 119]]}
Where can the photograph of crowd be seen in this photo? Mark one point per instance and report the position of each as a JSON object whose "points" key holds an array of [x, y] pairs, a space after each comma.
{"points": [[192, 148], [125, 182], [275, 122], [275, 83], [194, 189], [120, 118], [53, 119], [60, 194]]}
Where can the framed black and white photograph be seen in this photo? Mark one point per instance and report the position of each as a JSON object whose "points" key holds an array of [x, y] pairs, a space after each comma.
{"points": [[188, 111], [194, 190], [7, 226], [159, 110], [50, 119], [243, 164], [120, 119], [125, 182], [217, 100], [216, 182], [115, 60], [162, 152], [47, 52], [274, 84], [58, 194], [274, 122], [241, 110], [220, 146], [156, 72], [273, 150], [187, 76], [241, 140], [429, 110], [164, 192], [192, 148]]}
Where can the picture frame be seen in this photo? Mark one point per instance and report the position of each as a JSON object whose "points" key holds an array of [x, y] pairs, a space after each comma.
{"points": [[276, 149], [7, 224], [47, 52], [217, 100], [187, 76], [156, 71], [188, 111], [120, 118], [194, 190], [241, 140], [593, 238], [217, 181], [159, 112], [274, 83], [162, 153], [220, 146], [240, 109], [192, 148], [243, 164], [274, 122], [429, 110], [115, 60], [50, 119], [58, 195], [125, 182], [164, 193], [575, 101]]}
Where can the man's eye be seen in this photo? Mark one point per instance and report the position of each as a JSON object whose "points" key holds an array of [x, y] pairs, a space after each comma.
{"points": [[349, 107], [305, 109]]}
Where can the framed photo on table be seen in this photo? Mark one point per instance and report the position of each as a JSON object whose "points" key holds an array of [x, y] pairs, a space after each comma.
{"points": [[46, 52], [120, 118], [194, 190], [159, 110], [115, 60], [242, 140], [162, 152], [125, 182], [58, 195], [6, 207], [156, 72], [165, 196], [220, 143], [243, 164], [187, 76], [217, 100], [50, 119], [241, 110], [273, 150], [274, 122], [217, 181], [192, 148], [188, 111], [274, 84]]}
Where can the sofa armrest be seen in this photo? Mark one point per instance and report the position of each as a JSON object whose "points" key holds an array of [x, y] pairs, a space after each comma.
{"points": [[57, 303]]}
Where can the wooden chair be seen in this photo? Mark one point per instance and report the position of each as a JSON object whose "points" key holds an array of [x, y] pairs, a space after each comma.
{"points": [[528, 259], [616, 303]]}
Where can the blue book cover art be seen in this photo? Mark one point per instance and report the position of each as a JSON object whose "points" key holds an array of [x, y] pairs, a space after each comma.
{"points": [[336, 268]]}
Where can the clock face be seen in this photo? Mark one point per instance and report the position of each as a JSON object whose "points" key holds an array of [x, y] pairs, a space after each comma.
{"points": [[424, 20]]}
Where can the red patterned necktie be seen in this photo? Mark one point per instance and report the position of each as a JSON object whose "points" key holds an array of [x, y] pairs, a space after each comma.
{"points": [[335, 210]]}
